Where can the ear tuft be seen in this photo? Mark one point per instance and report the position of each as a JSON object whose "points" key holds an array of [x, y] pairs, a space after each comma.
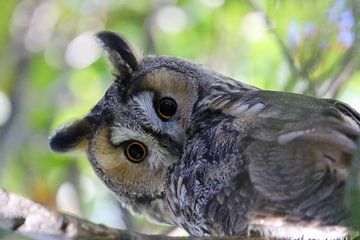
{"points": [[120, 55], [71, 136]]}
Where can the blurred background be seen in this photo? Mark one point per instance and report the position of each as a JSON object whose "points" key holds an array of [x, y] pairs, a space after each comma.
{"points": [[51, 71]]}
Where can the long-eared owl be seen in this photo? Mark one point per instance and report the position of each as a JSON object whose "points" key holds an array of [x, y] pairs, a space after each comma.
{"points": [[184, 145]]}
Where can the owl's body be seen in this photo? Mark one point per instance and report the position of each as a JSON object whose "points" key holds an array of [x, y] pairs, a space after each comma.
{"points": [[265, 158], [184, 145]]}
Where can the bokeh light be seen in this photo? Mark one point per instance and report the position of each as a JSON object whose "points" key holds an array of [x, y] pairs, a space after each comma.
{"points": [[213, 3], [5, 108], [82, 50], [171, 19]]}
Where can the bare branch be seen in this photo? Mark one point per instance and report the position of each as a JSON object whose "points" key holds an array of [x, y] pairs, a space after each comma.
{"points": [[332, 90], [33, 220]]}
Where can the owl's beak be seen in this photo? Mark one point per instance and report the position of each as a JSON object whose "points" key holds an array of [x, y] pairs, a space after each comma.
{"points": [[171, 145]]}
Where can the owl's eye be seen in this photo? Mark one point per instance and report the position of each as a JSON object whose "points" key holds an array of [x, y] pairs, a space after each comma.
{"points": [[135, 151], [166, 109]]}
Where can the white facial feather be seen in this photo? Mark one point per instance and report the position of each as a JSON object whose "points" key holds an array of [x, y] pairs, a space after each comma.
{"points": [[172, 128], [144, 101], [158, 156]]}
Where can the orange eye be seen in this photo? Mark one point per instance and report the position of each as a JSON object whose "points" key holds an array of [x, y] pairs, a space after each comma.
{"points": [[135, 151], [166, 109]]}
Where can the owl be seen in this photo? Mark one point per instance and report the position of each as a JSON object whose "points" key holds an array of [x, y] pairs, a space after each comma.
{"points": [[186, 146]]}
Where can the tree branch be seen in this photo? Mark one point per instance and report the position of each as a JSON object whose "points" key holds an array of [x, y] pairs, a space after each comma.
{"points": [[33, 220], [335, 84], [350, 62], [284, 49]]}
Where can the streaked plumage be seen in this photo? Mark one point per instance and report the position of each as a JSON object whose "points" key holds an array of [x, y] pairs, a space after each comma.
{"points": [[184, 145]]}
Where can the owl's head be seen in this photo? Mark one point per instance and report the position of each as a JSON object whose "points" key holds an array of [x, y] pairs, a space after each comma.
{"points": [[139, 128]]}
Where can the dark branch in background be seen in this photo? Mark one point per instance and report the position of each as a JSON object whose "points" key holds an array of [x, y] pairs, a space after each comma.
{"points": [[12, 133], [17, 96], [297, 72], [33, 220], [348, 67], [338, 81], [350, 63], [284, 49], [149, 42]]}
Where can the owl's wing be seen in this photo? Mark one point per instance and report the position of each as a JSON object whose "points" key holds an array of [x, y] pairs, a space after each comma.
{"points": [[296, 143]]}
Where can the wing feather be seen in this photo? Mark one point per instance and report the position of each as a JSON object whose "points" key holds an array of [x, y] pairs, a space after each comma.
{"points": [[294, 137]]}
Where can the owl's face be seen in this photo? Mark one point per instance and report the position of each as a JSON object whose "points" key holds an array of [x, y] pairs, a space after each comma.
{"points": [[139, 128], [140, 132]]}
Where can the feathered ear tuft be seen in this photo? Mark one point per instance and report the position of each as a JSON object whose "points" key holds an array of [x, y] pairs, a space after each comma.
{"points": [[119, 53], [71, 136]]}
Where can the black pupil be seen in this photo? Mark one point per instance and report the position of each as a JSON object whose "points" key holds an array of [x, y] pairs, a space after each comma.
{"points": [[136, 151], [167, 107]]}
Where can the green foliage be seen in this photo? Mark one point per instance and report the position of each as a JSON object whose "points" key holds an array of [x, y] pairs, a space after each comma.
{"points": [[52, 73]]}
